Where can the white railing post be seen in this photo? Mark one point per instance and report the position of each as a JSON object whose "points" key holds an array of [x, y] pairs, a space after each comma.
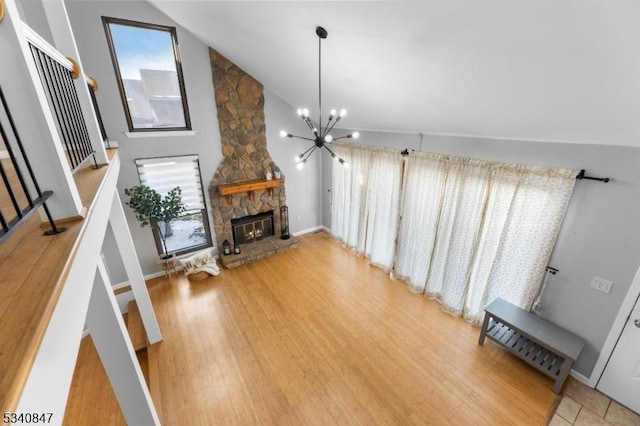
{"points": [[118, 357], [34, 120], [134, 272], [65, 42]]}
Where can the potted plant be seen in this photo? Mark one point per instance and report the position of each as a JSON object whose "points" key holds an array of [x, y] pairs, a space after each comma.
{"points": [[154, 211]]}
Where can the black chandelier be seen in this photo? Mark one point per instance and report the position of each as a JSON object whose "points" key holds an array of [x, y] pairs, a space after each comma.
{"points": [[321, 137]]}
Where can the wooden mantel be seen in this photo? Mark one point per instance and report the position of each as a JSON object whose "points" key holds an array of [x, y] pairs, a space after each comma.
{"points": [[249, 186]]}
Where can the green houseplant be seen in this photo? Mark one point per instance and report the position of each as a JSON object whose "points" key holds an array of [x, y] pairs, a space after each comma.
{"points": [[154, 211]]}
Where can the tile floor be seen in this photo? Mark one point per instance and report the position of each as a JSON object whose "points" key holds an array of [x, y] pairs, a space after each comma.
{"points": [[583, 406]]}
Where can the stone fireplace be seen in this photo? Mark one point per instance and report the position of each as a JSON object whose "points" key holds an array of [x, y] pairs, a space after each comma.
{"points": [[246, 165]]}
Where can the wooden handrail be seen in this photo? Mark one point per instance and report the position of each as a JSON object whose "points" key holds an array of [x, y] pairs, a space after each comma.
{"points": [[91, 81], [75, 71], [1, 10], [42, 44]]}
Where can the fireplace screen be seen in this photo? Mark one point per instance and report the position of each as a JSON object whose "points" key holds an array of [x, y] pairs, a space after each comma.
{"points": [[248, 229]]}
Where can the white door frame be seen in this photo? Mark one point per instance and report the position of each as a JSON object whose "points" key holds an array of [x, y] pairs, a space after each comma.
{"points": [[616, 330]]}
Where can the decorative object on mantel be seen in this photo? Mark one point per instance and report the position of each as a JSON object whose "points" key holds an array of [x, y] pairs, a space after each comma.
{"points": [[321, 137], [284, 223], [236, 249], [154, 211], [226, 247], [200, 265]]}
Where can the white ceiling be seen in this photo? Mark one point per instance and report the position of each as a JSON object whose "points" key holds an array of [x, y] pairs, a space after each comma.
{"points": [[552, 70]]}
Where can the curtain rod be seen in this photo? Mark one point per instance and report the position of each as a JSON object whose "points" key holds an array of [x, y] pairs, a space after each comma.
{"points": [[582, 176]]}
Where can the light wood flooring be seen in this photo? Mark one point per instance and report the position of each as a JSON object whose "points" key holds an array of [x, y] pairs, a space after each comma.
{"points": [[316, 336]]}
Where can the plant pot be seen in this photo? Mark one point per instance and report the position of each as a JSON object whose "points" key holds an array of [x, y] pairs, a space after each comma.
{"points": [[165, 257]]}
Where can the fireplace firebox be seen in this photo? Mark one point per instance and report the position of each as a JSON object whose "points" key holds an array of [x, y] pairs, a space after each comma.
{"points": [[249, 229]]}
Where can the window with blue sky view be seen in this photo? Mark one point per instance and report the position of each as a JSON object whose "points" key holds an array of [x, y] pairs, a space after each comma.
{"points": [[146, 60]]}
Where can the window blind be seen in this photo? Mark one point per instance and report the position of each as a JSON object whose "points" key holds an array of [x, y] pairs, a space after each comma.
{"points": [[165, 173]]}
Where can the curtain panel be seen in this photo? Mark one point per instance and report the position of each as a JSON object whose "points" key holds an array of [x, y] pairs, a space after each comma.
{"points": [[365, 201], [460, 230]]}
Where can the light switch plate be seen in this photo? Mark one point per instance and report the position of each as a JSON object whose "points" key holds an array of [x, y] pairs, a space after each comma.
{"points": [[601, 284]]}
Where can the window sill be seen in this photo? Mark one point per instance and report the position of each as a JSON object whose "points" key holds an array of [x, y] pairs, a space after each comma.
{"points": [[163, 134]]}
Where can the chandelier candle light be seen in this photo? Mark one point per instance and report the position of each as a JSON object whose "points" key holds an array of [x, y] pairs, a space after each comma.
{"points": [[321, 137]]}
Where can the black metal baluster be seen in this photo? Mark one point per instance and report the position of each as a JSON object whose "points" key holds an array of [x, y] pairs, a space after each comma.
{"points": [[96, 108], [60, 73], [14, 161], [7, 184], [8, 227], [80, 122], [48, 82], [65, 103]]}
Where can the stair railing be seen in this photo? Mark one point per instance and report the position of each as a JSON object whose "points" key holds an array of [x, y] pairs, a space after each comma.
{"points": [[57, 74], [20, 195]]}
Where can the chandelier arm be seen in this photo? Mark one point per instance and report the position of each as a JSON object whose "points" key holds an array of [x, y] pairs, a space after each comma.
{"points": [[301, 156], [327, 128], [330, 128], [309, 123], [343, 137], [302, 137], [333, 154], [313, 148]]}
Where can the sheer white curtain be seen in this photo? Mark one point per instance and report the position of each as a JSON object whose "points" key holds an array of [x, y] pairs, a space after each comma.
{"points": [[348, 195], [525, 212], [423, 188], [365, 201], [472, 230]]}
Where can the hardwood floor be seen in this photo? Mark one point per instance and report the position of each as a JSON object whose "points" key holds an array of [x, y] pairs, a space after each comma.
{"points": [[316, 336]]}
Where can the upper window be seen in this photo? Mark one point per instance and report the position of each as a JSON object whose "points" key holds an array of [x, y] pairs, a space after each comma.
{"points": [[147, 63]]}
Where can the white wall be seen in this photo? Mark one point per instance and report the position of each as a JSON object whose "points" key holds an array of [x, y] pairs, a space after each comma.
{"points": [[600, 235], [87, 25], [33, 14]]}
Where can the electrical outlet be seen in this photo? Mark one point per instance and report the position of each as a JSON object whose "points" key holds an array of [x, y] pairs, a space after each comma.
{"points": [[601, 284]]}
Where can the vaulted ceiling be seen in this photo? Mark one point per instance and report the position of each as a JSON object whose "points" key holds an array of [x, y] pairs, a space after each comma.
{"points": [[551, 70]]}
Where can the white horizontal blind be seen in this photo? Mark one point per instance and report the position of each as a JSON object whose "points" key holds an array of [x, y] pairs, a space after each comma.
{"points": [[165, 173]]}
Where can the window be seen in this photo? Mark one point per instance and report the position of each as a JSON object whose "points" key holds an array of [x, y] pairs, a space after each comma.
{"points": [[147, 65], [191, 231]]}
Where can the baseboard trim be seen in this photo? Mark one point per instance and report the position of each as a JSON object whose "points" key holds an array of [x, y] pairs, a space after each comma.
{"points": [[4, 155], [308, 230], [580, 377], [66, 220]]}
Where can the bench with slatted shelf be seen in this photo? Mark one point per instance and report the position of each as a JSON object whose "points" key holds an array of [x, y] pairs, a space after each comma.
{"points": [[547, 347]]}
